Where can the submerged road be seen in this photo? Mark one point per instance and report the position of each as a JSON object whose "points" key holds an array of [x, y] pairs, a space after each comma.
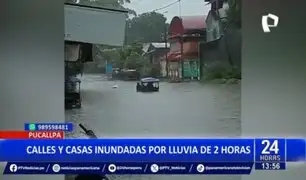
{"points": [[178, 110]]}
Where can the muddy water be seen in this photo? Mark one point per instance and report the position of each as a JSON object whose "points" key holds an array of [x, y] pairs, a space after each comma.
{"points": [[178, 110]]}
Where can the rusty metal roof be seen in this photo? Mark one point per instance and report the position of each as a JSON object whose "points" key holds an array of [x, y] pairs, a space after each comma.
{"points": [[193, 22], [181, 25]]}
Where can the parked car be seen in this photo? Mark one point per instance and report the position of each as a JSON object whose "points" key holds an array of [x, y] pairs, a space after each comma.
{"points": [[130, 74]]}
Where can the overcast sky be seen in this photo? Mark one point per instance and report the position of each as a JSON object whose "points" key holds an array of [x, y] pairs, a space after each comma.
{"points": [[188, 7]]}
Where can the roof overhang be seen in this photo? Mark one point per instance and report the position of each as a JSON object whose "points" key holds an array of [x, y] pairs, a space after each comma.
{"points": [[95, 25]]}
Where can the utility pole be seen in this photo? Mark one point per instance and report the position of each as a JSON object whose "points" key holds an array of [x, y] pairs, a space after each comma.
{"points": [[181, 43], [166, 47], [180, 9], [182, 59]]}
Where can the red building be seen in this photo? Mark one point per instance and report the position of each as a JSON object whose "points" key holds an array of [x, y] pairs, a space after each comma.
{"points": [[184, 35]]}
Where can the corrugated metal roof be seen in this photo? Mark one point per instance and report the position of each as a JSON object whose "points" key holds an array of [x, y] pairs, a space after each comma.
{"points": [[146, 47], [181, 25], [160, 45]]}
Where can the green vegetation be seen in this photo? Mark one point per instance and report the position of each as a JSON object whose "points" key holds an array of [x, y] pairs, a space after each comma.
{"points": [[146, 27], [219, 73], [126, 57]]}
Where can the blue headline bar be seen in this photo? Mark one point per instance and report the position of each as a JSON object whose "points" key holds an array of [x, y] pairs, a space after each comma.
{"points": [[128, 150], [296, 150], [48, 127], [154, 150]]}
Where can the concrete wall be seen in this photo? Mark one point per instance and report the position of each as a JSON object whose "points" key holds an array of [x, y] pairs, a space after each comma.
{"points": [[219, 50], [31, 67]]}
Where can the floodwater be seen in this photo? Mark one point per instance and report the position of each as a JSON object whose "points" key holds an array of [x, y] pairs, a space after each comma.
{"points": [[179, 110]]}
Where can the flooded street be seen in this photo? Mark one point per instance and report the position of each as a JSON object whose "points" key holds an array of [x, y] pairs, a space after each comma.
{"points": [[178, 110]]}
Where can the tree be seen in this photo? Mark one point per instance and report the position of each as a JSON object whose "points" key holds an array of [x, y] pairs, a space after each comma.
{"points": [[131, 56], [147, 27]]}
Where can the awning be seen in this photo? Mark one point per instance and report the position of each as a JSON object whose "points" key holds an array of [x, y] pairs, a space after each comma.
{"points": [[92, 25]]}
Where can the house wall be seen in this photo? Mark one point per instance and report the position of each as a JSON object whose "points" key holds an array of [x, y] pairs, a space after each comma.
{"points": [[190, 47], [220, 50], [159, 53]]}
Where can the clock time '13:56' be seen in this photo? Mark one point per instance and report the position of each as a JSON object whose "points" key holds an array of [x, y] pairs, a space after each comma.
{"points": [[271, 166]]}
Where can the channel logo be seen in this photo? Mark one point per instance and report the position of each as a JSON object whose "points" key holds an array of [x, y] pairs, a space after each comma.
{"points": [[200, 168], [112, 168], [265, 24], [13, 168], [154, 168], [56, 168]]}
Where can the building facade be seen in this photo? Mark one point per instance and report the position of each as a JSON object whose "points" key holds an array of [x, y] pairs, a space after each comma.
{"points": [[184, 35], [156, 53]]}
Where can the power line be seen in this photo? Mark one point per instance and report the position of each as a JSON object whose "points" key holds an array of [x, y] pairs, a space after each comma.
{"points": [[164, 7], [180, 9]]}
